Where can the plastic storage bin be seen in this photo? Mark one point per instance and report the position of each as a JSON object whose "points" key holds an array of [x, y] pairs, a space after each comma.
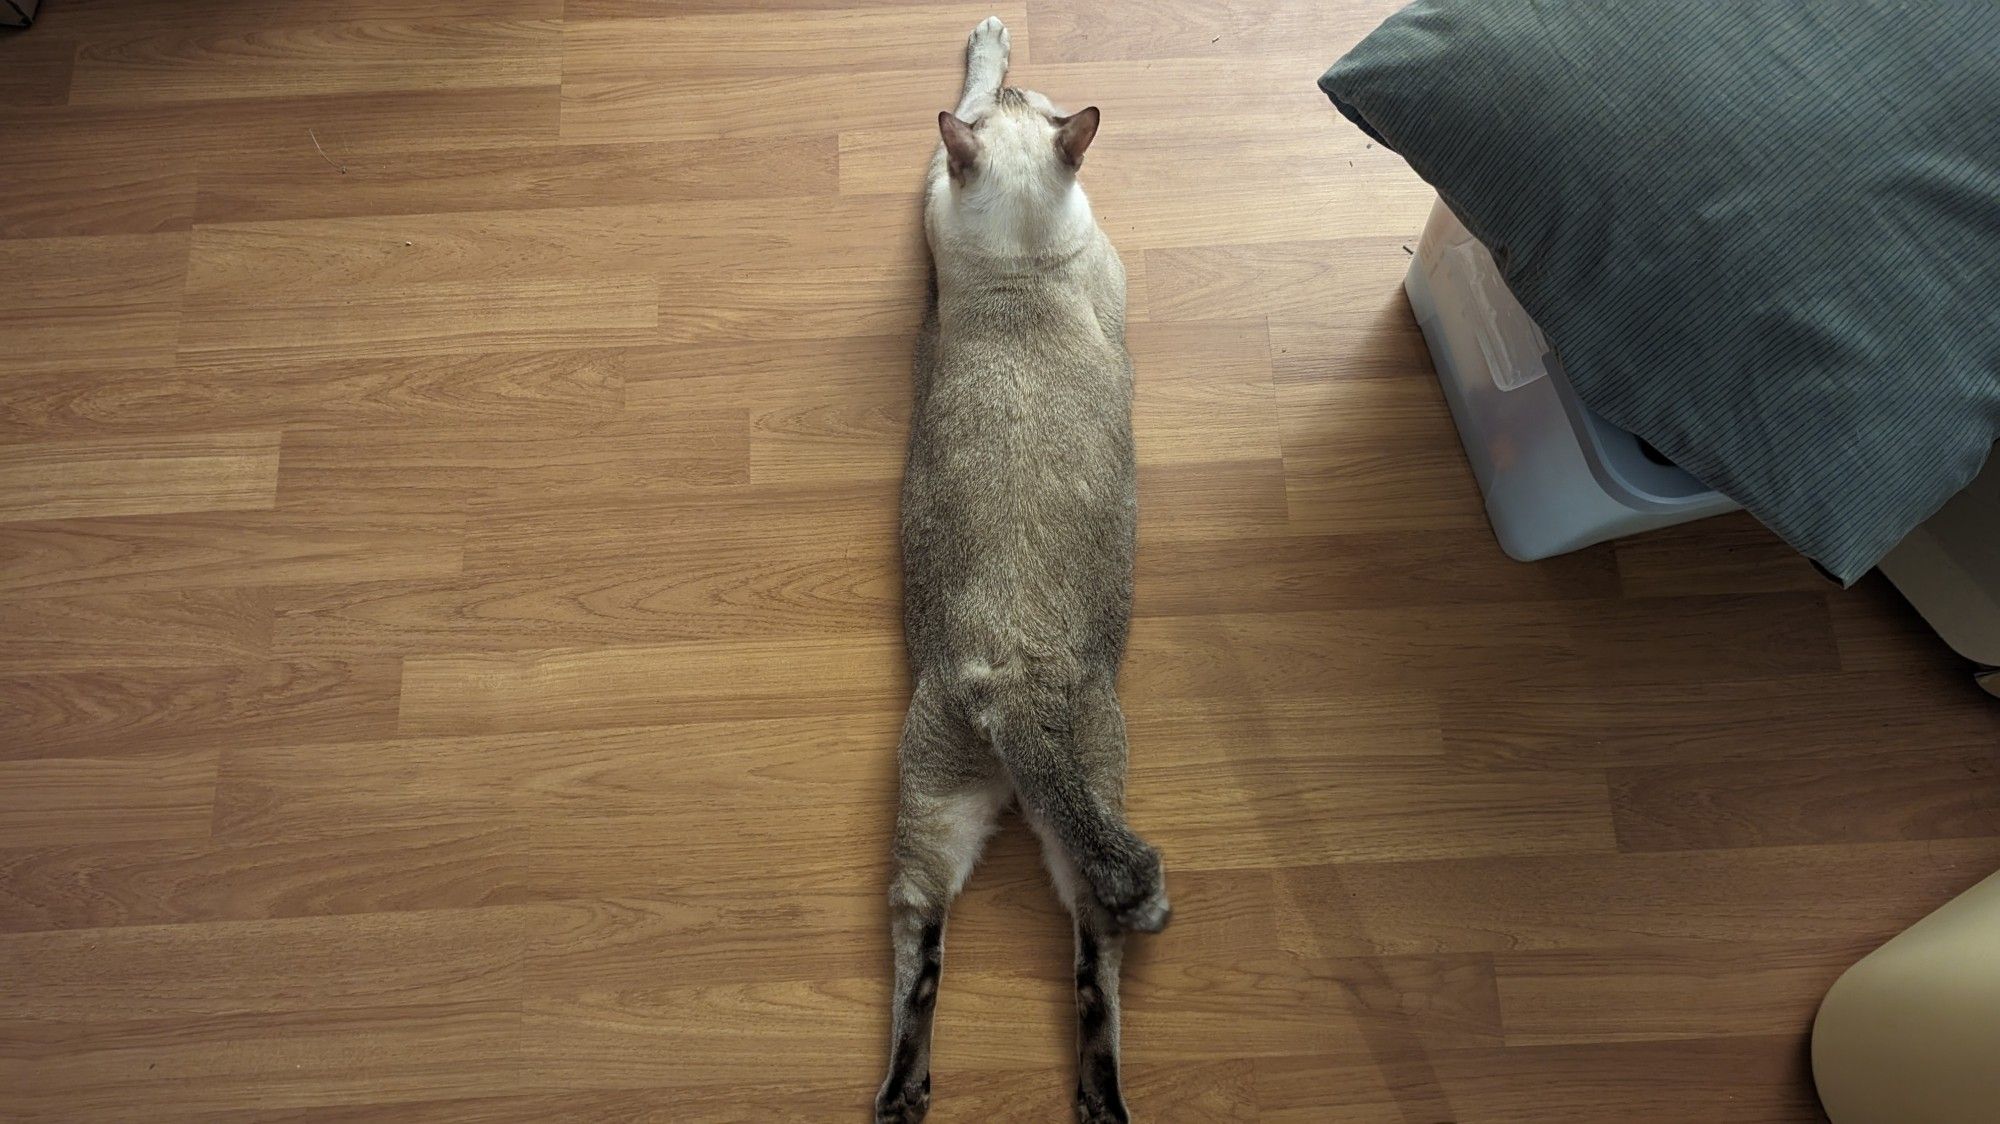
{"points": [[1556, 476]]}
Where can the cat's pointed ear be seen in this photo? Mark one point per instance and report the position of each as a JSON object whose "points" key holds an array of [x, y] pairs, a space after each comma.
{"points": [[960, 145], [1074, 134]]}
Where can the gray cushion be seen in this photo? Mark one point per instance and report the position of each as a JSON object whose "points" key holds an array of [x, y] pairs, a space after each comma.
{"points": [[1763, 235]]}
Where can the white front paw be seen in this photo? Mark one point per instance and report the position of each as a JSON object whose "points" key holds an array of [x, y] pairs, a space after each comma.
{"points": [[989, 44]]}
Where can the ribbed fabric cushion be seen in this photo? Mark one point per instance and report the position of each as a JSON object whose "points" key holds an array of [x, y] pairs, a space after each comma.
{"points": [[1762, 235]]}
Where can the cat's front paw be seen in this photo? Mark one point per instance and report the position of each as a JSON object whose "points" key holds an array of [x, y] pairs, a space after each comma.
{"points": [[989, 45]]}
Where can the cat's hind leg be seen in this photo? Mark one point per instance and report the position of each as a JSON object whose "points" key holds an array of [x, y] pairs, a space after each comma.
{"points": [[1100, 951], [987, 51], [951, 793]]}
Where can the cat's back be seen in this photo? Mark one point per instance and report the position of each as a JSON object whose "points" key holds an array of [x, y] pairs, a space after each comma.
{"points": [[1018, 509]]}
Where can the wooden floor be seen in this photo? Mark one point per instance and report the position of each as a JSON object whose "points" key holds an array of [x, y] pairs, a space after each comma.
{"points": [[449, 661]]}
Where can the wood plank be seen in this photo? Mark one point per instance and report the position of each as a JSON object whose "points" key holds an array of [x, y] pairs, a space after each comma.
{"points": [[275, 791], [821, 410], [1310, 573], [280, 129], [428, 320], [856, 519], [62, 180], [104, 302], [1638, 994], [189, 705], [234, 189], [1165, 731], [1878, 631], [1164, 29], [212, 551], [1289, 281], [678, 239], [232, 471], [654, 1038], [1250, 812], [555, 387], [1285, 655], [322, 58], [130, 17], [278, 1062], [1392, 1085], [1214, 499], [99, 632], [450, 468], [676, 45], [1693, 899], [1203, 392], [1643, 725], [37, 70], [439, 865], [600, 946], [1674, 639], [1317, 1006], [803, 1099], [1344, 474], [1731, 552], [764, 304], [1912, 792], [56, 800], [1726, 1081], [496, 692], [1253, 212], [299, 965], [1375, 338], [142, 168], [746, 591]]}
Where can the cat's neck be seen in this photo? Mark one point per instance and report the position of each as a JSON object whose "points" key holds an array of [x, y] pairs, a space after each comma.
{"points": [[1000, 231]]}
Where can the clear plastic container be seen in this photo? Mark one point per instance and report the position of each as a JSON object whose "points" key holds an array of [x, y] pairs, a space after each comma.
{"points": [[1556, 476]]}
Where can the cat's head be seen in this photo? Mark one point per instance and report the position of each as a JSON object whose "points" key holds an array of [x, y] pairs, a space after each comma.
{"points": [[1017, 146]]}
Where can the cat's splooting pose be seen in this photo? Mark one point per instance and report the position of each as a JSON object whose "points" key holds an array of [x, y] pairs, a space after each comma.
{"points": [[1018, 521]]}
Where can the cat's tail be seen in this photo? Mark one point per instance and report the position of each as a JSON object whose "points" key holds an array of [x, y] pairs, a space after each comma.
{"points": [[1068, 771]]}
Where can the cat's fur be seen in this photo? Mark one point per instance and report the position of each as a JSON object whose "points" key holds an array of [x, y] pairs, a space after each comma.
{"points": [[1018, 526]]}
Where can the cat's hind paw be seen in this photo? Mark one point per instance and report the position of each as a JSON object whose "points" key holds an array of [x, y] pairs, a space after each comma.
{"points": [[903, 1102]]}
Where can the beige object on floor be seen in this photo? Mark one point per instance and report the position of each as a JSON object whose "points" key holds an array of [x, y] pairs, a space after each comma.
{"points": [[1949, 568], [1911, 1034]]}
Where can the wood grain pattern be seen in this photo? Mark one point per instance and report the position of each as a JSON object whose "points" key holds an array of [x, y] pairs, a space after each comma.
{"points": [[109, 302], [139, 476], [215, 551], [899, 37], [321, 58], [260, 189], [45, 801], [162, 629], [449, 650], [570, 386], [143, 709], [1627, 995], [431, 319]]}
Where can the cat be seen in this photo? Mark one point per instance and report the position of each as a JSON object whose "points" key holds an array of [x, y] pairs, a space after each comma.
{"points": [[1018, 525]]}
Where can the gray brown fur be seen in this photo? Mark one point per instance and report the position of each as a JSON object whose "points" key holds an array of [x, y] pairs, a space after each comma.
{"points": [[1019, 519]]}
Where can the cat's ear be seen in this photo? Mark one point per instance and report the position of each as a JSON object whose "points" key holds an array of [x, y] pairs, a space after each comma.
{"points": [[1074, 134], [960, 146]]}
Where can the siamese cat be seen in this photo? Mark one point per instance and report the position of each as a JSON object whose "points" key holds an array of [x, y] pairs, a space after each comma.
{"points": [[1018, 525]]}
